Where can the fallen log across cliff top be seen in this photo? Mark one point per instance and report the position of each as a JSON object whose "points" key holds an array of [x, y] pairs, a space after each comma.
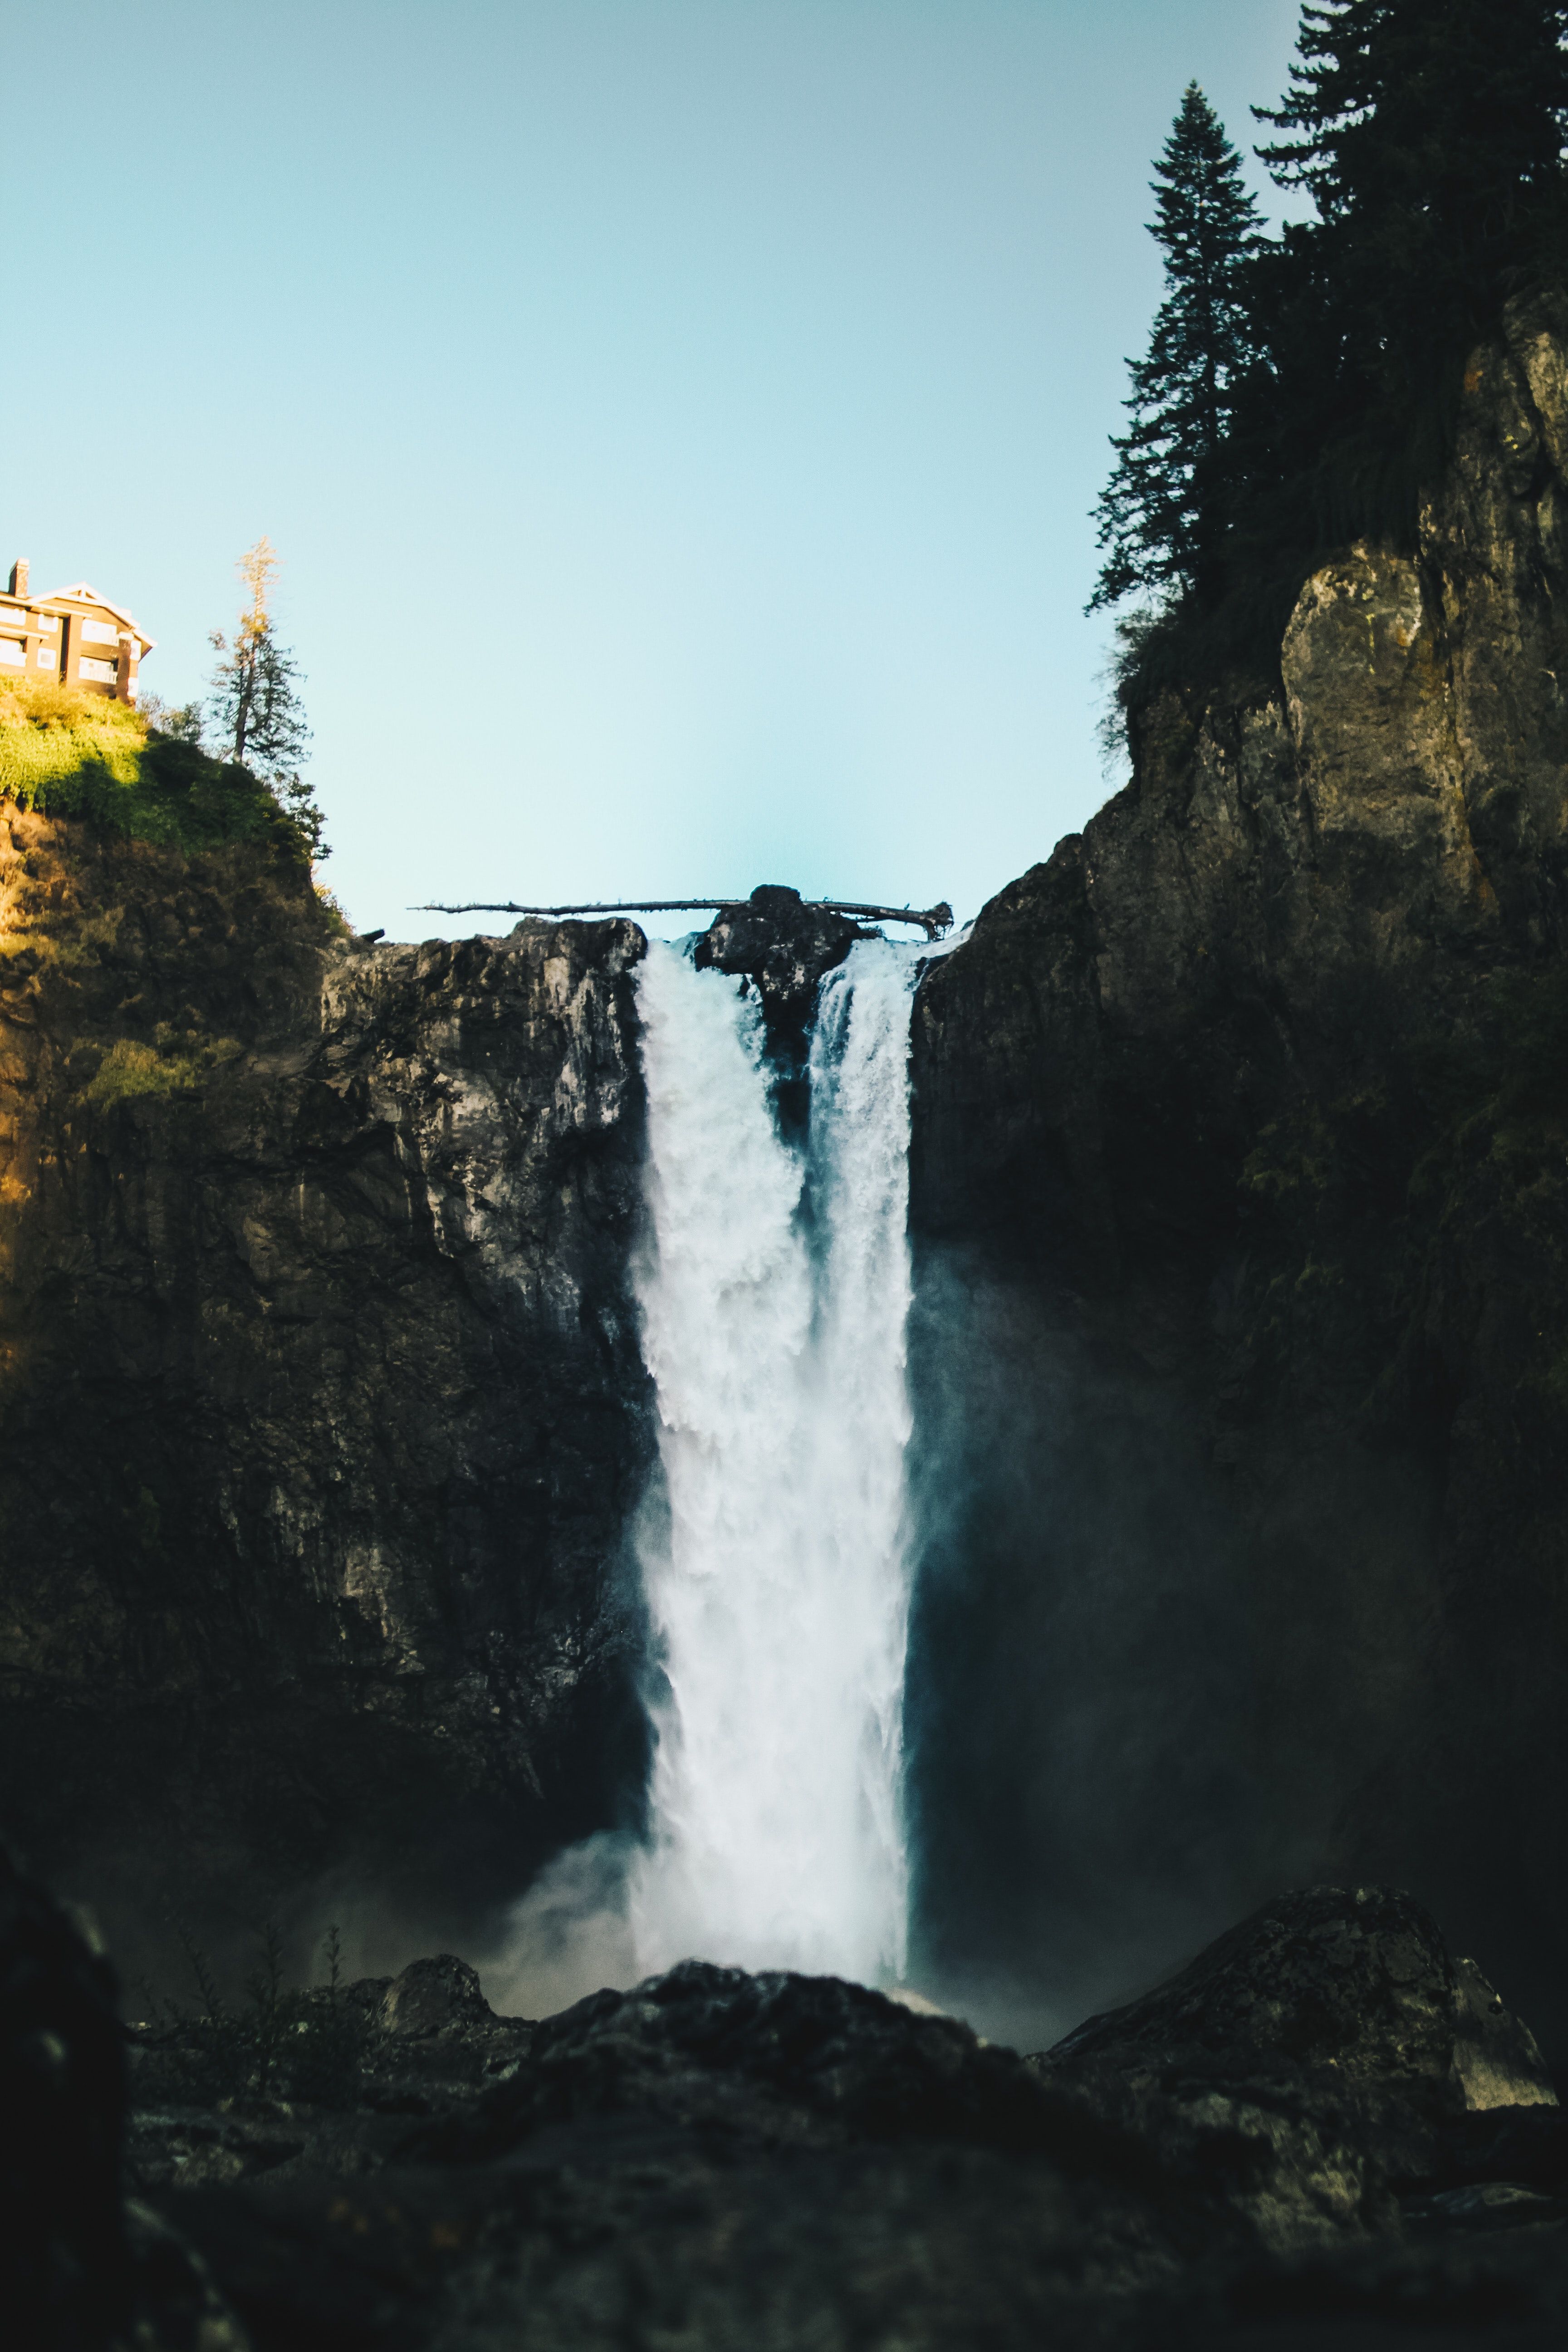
{"points": [[935, 921]]}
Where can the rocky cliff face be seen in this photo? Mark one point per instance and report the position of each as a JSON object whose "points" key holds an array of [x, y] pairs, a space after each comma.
{"points": [[1241, 1201], [324, 1414]]}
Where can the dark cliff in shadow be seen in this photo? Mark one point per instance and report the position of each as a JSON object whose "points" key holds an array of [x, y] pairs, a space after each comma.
{"points": [[1240, 1197], [324, 1414]]}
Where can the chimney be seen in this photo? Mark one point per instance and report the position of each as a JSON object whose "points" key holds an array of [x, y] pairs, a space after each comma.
{"points": [[19, 576]]}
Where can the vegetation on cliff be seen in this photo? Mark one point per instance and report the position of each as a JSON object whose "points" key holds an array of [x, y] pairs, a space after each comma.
{"points": [[1311, 395], [255, 707], [81, 908], [67, 752], [1159, 511], [148, 775]]}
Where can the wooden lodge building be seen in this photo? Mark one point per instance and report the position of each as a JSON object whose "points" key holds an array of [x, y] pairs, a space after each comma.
{"points": [[73, 635]]}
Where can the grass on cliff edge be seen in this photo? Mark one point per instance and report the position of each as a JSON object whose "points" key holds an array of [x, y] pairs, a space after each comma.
{"points": [[66, 752]]}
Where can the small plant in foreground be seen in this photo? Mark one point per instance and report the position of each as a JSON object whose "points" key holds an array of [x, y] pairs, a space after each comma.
{"points": [[280, 2042]]}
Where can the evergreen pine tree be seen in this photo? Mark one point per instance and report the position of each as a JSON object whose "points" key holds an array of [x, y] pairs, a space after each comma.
{"points": [[1161, 514], [1427, 129], [1429, 134], [256, 706]]}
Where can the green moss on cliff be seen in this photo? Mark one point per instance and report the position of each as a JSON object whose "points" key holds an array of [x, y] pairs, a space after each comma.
{"points": [[144, 963], [174, 1064], [67, 753]]}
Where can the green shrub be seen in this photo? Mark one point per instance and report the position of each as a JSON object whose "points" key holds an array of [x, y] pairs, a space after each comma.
{"points": [[174, 1064], [282, 2043], [66, 752]]}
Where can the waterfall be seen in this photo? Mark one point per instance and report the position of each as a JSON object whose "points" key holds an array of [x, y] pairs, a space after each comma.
{"points": [[774, 1293]]}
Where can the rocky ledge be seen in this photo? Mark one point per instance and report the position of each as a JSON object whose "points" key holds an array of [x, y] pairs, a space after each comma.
{"points": [[1326, 2129]]}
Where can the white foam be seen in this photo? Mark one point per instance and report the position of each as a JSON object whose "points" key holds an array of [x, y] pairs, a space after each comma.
{"points": [[774, 1297]]}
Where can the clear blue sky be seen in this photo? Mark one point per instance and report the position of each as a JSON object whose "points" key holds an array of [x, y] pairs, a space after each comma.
{"points": [[679, 418]]}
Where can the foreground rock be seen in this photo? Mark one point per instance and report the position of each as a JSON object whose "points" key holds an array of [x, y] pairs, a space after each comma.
{"points": [[1276, 2146], [80, 2268], [1358, 1979]]}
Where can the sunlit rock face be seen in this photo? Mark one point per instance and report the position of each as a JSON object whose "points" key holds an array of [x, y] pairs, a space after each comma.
{"points": [[1240, 1200], [324, 1414]]}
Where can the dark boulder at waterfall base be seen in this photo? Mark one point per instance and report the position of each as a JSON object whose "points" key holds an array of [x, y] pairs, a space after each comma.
{"points": [[1290, 2143], [1237, 1355], [81, 2266]]}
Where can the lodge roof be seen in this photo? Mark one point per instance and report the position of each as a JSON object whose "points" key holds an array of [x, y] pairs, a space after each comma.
{"points": [[81, 591]]}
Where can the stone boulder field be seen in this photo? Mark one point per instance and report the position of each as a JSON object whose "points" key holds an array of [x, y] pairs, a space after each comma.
{"points": [[1325, 2130]]}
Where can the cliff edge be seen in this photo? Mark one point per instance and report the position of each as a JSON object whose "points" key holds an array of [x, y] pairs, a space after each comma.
{"points": [[324, 1406], [1241, 1206]]}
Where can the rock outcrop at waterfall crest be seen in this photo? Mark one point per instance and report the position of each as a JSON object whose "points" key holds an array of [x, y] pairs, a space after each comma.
{"points": [[784, 949]]}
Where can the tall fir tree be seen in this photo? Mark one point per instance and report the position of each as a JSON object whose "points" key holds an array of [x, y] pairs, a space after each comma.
{"points": [[1429, 136], [1429, 128], [1162, 513], [256, 707]]}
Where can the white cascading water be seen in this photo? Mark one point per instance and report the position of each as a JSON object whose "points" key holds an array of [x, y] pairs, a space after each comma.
{"points": [[775, 1298]]}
